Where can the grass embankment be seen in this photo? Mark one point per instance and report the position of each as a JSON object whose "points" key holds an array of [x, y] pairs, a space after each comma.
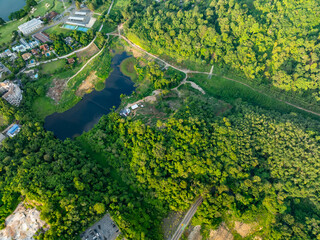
{"points": [[230, 91], [41, 9], [127, 68], [101, 65]]}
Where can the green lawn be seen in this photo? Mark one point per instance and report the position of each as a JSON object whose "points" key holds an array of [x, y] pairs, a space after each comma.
{"points": [[50, 68], [127, 68], [120, 4], [57, 30], [108, 27], [43, 106], [7, 29]]}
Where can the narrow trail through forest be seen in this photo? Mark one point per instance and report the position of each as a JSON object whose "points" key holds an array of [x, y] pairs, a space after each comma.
{"points": [[194, 85]]}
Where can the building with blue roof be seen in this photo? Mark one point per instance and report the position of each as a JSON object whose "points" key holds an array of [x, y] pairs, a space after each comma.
{"points": [[13, 130]]}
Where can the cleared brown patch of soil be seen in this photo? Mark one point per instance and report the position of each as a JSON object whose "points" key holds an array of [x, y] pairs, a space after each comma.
{"points": [[88, 53], [222, 233], [88, 84], [244, 229], [56, 90]]}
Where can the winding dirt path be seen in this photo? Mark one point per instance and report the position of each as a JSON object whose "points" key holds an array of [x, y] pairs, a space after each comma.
{"points": [[194, 85]]}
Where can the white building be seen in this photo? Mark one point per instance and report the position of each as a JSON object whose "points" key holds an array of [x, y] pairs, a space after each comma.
{"points": [[30, 26]]}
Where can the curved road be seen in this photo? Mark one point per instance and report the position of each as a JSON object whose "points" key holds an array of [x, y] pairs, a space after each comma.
{"points": [[185, 221]]}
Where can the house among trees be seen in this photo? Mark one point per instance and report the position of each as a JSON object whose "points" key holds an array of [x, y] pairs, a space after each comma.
{"points": [[71, 60], [45, 48], [26, 56], [50, 16]]}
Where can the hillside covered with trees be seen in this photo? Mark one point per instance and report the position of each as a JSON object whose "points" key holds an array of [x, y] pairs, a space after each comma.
{"points": [[269, 42]]}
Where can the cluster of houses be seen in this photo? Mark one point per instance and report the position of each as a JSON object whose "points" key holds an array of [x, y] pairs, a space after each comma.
{"points": [[125, 112], [31, 48]]}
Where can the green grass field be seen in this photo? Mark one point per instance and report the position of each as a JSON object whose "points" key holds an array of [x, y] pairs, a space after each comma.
{"points": [[50, 68], [127, 68], [230, 91], [57, 30], [120, 4]]}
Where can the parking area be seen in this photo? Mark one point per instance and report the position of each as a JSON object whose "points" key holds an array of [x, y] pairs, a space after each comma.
{"points": [[105, 229]]}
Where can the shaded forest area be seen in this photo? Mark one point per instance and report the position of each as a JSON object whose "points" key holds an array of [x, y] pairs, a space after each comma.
{"points": [[268, 42]]}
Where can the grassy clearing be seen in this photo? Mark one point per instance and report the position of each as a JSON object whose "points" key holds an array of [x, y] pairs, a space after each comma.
{"points": [[7, 29], [57, 30], [127, 68], [232, 91], [120, 4], [108, 27], [103, 8], [43, 106], [88, 53], [52, 67]]}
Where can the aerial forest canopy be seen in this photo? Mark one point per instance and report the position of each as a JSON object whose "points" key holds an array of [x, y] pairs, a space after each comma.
{"points": [[268, 41]]}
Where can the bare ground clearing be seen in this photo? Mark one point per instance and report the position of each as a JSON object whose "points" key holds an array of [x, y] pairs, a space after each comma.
{"points": [[88, 84], [56, 90]]}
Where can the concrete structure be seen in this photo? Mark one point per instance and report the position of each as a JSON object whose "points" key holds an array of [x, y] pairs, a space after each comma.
{"points": [[80, 13], [76, 18], [24, 42], [81, 19], [19, 48], [125, 112], [13, 130], [30, 26], [134, 107], [43, 37], [104, 229], [11, 92]]}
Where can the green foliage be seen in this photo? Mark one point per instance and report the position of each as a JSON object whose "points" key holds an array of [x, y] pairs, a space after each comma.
{"points": [[278, 45]]}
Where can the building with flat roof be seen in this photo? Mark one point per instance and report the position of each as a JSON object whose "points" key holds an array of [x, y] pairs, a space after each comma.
{"points": [[13, 130], [30, 26], [11, 92], [80, 13], [43, 37]]}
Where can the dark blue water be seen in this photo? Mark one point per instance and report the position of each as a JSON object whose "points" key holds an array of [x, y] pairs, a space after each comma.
{"points": [[85, 114], [9, 6]]}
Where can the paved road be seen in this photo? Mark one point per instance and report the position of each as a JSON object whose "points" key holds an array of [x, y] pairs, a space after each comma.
{"points": [[185, 221]]}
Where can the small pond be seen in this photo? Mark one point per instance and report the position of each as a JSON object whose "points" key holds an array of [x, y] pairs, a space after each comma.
{"points": [[86, 113]]}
